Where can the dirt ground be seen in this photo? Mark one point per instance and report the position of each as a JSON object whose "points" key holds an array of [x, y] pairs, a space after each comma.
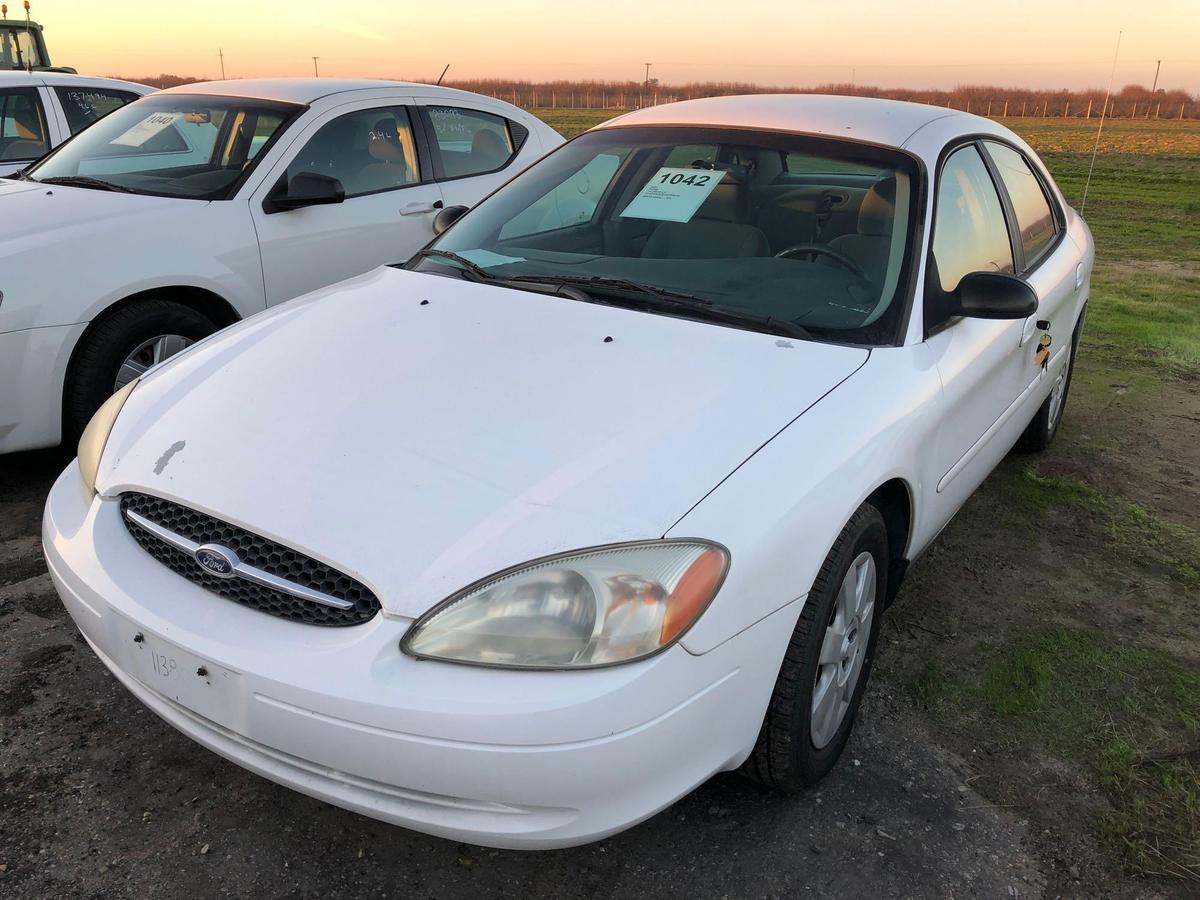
{"points": [[101, 799]]}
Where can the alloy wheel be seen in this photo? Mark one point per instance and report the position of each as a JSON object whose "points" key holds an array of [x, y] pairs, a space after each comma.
{"points": [[1059, 393], [843, 650], [149, 353]]}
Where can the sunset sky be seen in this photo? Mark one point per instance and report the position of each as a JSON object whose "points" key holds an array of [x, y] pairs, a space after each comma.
{"points": [[920, 43]]}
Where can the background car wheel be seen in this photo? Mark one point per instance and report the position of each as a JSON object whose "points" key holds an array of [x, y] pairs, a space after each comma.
{"points": [[1041, 431], [828, 661], [121, 346]]}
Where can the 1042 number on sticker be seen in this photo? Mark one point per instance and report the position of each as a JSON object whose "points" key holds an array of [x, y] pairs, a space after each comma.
{"points": [[673, 194]]}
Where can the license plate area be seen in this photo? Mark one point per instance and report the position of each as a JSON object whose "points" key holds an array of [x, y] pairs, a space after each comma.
{"points": [[198, 684]]}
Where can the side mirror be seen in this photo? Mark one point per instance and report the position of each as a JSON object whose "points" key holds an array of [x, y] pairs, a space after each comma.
{"points": [[994, 295], [304, 189], [447, 217]]}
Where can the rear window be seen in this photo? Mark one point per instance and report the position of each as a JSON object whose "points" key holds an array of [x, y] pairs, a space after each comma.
{"points": [[807, 164], [470, 142], [83, 106], [1034, 218]]}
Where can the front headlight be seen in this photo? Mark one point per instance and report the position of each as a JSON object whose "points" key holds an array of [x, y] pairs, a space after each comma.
{"points": [[95, 436], [590, 608]]}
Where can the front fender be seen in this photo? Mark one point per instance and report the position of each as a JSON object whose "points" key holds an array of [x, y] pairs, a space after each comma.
{"points": [[780, 512]]}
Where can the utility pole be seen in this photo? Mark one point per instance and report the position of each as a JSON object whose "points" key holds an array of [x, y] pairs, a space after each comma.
{"points": [[221, 57], [1157, 69], [316, 74], [646, 85]]}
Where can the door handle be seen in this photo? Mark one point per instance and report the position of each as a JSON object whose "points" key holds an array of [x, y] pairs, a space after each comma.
{"points": [[1029, 329], [418, 208]]}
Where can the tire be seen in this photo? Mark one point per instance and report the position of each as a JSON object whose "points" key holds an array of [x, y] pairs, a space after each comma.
{"points": [[1040, 432], [793, 752], [109, 342]]}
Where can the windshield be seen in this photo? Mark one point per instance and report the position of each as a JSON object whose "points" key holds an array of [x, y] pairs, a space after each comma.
{"points": [[169, 145], [777, 232], [19, 48]]}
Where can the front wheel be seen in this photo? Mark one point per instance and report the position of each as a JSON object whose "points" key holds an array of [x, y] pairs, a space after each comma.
{"points": [[828, 661]]}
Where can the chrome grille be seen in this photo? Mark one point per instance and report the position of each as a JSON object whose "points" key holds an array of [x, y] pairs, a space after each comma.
{"points": [[271, 577]]}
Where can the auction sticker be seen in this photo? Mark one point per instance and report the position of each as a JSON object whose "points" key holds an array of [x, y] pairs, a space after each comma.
{"points": [[673, 195], [146, 129]]}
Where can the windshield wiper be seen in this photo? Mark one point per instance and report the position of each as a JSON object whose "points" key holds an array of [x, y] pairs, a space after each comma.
{"points": [[647, 297], [480, 273], [653, 298], [85, 181], [605, 281]]}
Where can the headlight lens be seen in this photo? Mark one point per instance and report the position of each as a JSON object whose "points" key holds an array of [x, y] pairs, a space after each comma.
{"points": [[95, 436], [591, 608]]}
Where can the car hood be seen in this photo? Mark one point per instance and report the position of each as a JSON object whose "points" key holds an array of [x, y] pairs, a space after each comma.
{"points": [[420, 432], [33, 214]]}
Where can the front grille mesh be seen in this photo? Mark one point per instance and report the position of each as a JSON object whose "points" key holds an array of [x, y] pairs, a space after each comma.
{"points": [[278, 560]]}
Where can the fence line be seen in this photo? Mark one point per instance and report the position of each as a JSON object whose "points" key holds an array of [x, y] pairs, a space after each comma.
{"points": [[1073, 105], [1116, 110]]}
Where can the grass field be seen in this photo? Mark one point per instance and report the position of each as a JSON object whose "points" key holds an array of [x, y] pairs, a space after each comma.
{"points": [[1052, 635]]}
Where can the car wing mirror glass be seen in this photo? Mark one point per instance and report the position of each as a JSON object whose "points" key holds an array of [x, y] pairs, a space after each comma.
{"points": [[994, 295], [447, 217], [304, 189]]}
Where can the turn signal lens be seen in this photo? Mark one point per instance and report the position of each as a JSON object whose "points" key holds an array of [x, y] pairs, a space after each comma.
{"points": [[693, 592]]}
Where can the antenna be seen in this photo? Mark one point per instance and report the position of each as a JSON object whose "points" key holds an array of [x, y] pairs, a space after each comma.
{"points": [[29, 41], [443, 75], [1100, 130]]}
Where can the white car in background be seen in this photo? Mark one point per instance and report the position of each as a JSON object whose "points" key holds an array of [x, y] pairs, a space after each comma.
{"points": [[40, 110], [200, 205], [523, 541]]}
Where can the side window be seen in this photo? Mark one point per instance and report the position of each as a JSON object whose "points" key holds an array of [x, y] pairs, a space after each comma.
{"points": [[367, 151], [969, 231], [470, 142], [22, 125], [1034, 218], [572, 202], [83, 106]]}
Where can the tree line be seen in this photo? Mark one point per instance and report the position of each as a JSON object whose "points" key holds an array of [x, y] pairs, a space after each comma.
{"points": [[1132, 101]]}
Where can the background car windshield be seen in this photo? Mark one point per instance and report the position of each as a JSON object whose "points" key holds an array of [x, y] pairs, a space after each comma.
{"points": [[802, 230], [180, 145]]}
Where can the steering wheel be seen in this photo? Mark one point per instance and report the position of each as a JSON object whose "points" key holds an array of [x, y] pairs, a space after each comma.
{"points": [[823, 250]]}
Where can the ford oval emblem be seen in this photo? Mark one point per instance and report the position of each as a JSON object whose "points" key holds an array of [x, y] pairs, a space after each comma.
{"points": [[217, 560]]}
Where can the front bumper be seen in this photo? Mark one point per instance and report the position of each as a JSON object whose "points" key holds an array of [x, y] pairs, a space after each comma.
{"points": [[500, 758]]}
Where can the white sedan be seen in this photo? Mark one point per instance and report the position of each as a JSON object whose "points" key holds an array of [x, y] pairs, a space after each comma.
{"points": [[195, 207], [40, 110], [606, 490]]}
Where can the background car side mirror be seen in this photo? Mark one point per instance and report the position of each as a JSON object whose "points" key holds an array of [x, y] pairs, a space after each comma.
{"points": [[994, 295], [304, 189], [447, 217]]}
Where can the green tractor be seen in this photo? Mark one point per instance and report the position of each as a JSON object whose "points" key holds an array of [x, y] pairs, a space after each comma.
{"points": [[22, 46]]}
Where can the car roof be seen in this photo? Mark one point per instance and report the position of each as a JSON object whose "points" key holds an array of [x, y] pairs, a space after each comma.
{"points": [[67, 79], [887, 122], [307, 90]]}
